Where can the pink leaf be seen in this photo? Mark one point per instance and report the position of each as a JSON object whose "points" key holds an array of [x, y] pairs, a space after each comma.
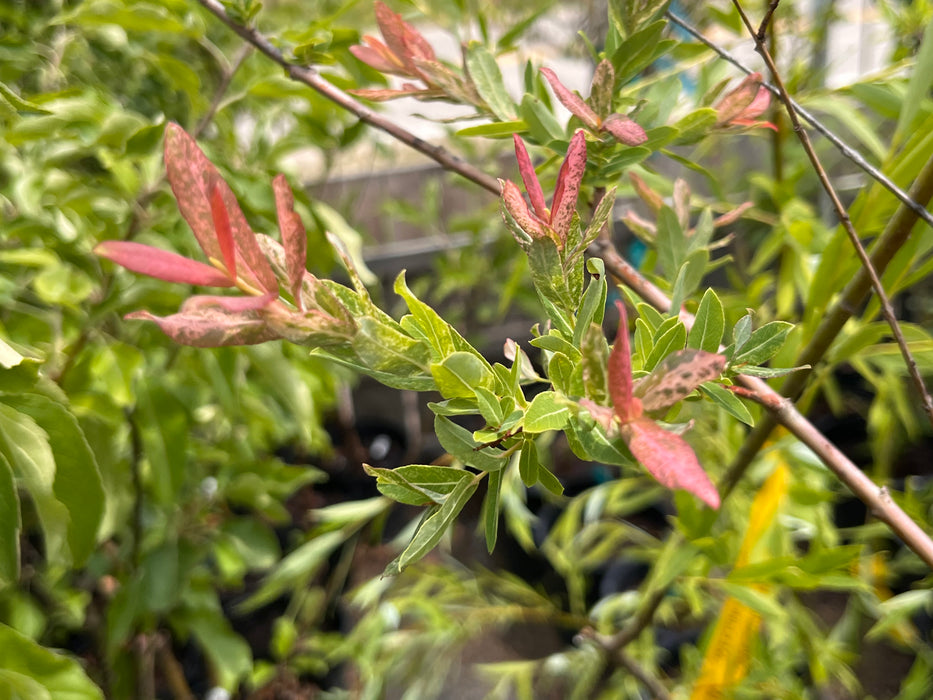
{"points": [[669, 459], [626, 406], [568, 185], [251, 263], [222, 228], [530, 179], [162, 264], [294, 237], [193, 177], [233, 304], [624, 130], [516, 206], [677, 376], [403, 39], [385, 94], [211, 326], [377, 55], [572, 101], [187, 168], [759, 105], [734, 103]]}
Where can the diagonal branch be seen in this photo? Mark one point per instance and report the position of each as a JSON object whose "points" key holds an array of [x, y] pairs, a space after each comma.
{"points": [[314, 80], [844, 148], [886, 308], [875, 497]]}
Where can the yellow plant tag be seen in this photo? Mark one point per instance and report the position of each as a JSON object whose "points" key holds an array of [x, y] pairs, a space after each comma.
{"points": [[728, 654]]}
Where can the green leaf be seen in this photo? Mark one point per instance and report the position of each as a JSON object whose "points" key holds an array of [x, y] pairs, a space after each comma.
{"points": [[9, 358], [78, 482], [61, 676], [918, 88], [547, 411], [432, 528], [729, 401], [671, 341], [491, 506], [458, 374], [484, 73], [549, 481], [489, 407], [741, 332], [459, 442], [229, 654], [17, 103], [671, 242], [9, 525], [689, 277], [542, 125], [554, 341], [26, 447], [595, 362], [708, 325], [417, 484], [382, 347], [593, 305], [528, 463], [588, 441], [768, 372], [495, 129], [763, 343]]}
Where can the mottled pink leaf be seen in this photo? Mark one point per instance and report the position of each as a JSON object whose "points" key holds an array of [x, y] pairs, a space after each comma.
{"points": [[403, 39], [601, 88], [530, 179], [236, 304], [568, 185], [385, 94], [294, 236], [669, 459], [677, 376], [572, 101], [162, 264], [377, 55], [736, 101], [516, 206], [192, 178], [624, 130], [211, 326], [759, 105], [187, 167], [626, 406], [222, 229]]}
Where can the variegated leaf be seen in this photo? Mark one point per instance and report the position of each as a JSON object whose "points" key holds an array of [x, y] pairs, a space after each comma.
{"points": [[567, 189], [626, 406], [677, 376]]}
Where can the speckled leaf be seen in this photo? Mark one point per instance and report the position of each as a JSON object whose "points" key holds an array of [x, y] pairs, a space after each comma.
{"points": [[572, 101], [678, 376], [294, 236], [626, 406], [530, 179], [567, 189]]}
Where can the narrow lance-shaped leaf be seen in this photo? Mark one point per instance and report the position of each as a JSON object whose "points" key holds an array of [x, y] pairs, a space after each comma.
{"points": [[222, 229], [573, 102], [626, 406], [668, 459], [162, 264], [294, 236], [530, 179], [516, 207], [211, 326], [624, 129], [567, 190]]}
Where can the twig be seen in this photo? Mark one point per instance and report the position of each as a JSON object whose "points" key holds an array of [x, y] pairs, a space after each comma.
{"points": [[766, 21], [891, 240], [886, 309], [314, 80], [888, 511], [658, 691], [844, 148]]}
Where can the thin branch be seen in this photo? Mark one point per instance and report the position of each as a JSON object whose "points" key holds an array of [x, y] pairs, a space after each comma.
{"points": [[766, 21], [891, 240], [314, 80], [658, 691], [886, 308], [886, 510], [846, 150]]}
